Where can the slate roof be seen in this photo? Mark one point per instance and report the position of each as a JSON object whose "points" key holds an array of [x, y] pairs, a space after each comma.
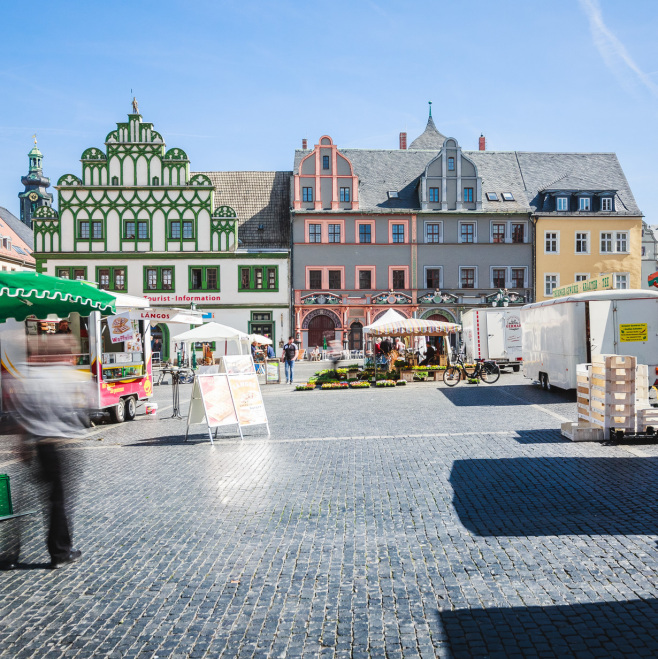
{"points": [[24, 232], [258, 198], [524, 174], [430, 138]]}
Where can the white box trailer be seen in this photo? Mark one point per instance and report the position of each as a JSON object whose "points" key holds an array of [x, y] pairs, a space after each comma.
{"points": [[558, 334], [493, 334]]}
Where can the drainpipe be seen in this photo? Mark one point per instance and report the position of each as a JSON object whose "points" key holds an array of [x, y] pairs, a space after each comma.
{"points": [[533, 222]]}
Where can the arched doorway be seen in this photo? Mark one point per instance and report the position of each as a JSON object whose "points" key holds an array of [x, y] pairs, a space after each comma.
{"points": [[440, 317], [160, 338], [320, 328], [356, 336], [438, 341]]}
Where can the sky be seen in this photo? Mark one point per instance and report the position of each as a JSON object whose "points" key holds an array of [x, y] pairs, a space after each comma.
{"points": [[238, 84]]}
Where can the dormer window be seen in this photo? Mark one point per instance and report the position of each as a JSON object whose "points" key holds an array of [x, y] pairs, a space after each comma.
{"points": [[393, 194], [562, 203], [492, 196], [508, 196], [451, 164], [584, 204], [606, 203]]}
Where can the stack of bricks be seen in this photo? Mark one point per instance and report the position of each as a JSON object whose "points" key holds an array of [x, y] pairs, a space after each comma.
{"points": [[612, 392]]}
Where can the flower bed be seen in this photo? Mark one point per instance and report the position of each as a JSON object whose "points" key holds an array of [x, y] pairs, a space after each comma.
{"points": [[308, 386], [359, 384], [385, 383], [400, 383], [335, 385]]}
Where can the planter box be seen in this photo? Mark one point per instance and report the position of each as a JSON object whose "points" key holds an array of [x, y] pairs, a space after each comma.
{"points": [[407, 376]]}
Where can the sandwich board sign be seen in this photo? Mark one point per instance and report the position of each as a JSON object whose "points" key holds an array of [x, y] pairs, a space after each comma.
{"points": [[229, 398]]}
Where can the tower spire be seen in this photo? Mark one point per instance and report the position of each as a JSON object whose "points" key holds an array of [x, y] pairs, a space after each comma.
{"points": [[430, 104]]}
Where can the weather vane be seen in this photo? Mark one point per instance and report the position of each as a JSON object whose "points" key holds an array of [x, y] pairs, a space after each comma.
{"points": [[430, 102], [35, 139]]}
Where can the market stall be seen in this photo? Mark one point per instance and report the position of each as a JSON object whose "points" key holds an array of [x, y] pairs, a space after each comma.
{"points": [[227, 340]]}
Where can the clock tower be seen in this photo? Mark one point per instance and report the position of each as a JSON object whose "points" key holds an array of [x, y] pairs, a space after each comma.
{"points": [[36, 184]]}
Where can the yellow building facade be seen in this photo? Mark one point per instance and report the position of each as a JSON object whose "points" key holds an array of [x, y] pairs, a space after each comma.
{"points": [[576, 247]]}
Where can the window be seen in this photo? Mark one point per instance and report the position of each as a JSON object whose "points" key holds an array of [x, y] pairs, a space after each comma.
{"points": [[467, 277], [582, 243], [434, 195], [315, 279], [550, 284], [433, 232], [96, 230], [365, 279], [498, 278], [518, 277], [142, 230], [621, 280], [562, 204], [155, 180], [259, 278], [398, 233], [158, 278], [584, 204], [433, 278], [467, 232], [518, 233], [334, 233], [622, 241], [606, 203], [115, 180], [314, 233], [96, 227], [72, 273], [129, 230], [344, 194], [492, 196], [203, 278], [498, 233], [188, 230], [398, 279], [307, 194], [365, 233], [175, 229], [451, 164], [335, 279], [507, 196], [551, 242], [111, 279], [325, 162], [84, 230], [582, 276], [468, 194], [606, 242]]}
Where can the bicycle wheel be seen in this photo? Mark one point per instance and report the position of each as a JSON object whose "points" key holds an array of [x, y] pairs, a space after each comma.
{"points": [[452, 375], [490, 373]]}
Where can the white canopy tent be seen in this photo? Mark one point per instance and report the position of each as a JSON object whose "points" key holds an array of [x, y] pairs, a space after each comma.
{"points": [[235, 341], [391, 316]]}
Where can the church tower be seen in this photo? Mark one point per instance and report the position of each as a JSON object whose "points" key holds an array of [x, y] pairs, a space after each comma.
{"points": [[35, 194]]}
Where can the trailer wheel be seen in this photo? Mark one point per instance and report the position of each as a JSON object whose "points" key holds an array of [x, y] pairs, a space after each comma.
{"points": [[118, 412], [516, 369], [131, 408]]}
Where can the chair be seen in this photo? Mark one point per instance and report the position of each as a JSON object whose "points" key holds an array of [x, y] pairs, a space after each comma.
{"points": [[301, 354]]}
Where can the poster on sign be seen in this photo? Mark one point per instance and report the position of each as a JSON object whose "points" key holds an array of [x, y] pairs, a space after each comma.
{"points": [[248, 400], [121, 328], [217, 400], [238, 364]]}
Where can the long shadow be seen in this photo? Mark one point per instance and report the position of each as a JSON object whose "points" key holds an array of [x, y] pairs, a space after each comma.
{"points": [[606, 629], [544, 436], [556, 496], [172, 441], [485, 395]]}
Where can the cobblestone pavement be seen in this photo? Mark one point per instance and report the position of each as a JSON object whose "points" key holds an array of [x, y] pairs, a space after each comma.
{"points": [[409, 522]]}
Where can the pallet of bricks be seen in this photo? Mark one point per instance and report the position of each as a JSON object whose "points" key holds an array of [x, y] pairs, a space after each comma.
{"points": [[612, 393]]}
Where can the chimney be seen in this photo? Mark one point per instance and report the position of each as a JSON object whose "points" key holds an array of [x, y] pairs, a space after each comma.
{"points": [[304, 144], [403, 140], [483, 143]]}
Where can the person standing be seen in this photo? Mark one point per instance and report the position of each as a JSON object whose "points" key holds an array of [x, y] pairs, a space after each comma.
{"points": [[289, 355]]}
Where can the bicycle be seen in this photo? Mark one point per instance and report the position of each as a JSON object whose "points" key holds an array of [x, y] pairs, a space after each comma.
{"points": [[487, 371]]}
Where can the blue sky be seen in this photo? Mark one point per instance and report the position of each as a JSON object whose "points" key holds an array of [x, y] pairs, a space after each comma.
{"points": [[237, 85]]}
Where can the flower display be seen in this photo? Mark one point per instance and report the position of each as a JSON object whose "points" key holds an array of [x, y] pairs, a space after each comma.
{"points": [[359, 384], [401, 383], [385, 383], [307, 386], [335, 385]]}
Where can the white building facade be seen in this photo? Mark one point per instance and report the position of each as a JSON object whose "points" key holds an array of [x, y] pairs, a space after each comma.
{"points": [[136, 221]]}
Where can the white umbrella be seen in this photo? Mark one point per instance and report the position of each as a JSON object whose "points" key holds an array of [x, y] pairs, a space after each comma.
{"points": [[259, 338]]}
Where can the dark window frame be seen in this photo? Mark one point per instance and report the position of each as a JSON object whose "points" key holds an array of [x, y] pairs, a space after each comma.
{"points": [[204, 278], [159, 278], [253, 270]]}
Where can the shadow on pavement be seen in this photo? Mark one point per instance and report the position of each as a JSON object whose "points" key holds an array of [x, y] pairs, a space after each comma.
{"points": [[544, 436], [606, 629], [178, 440], [486, 395], [556, 496]]}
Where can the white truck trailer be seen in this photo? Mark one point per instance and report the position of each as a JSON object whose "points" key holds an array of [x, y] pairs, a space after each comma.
{"points": [[493, 334], [558, 334]]}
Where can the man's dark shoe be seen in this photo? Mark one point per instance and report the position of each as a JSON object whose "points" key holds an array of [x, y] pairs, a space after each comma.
{"points": [[73, 556]]}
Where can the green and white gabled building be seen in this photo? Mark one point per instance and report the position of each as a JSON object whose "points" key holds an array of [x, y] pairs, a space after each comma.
{"points": [[137, 221]]}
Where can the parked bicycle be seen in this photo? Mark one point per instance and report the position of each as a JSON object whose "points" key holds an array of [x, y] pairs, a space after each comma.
{"points": [[485, 370]]}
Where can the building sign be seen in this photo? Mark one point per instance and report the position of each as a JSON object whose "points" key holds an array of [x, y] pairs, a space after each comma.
{"points": [[170, 298], [164, 315], [603, 283], [633, 332]]}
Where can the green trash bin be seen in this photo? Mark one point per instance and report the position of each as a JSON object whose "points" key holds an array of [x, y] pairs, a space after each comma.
{"points": [[5, 496]]}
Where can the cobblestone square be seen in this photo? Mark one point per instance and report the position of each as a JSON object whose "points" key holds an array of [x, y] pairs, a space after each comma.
{"points": [[418, 521]]}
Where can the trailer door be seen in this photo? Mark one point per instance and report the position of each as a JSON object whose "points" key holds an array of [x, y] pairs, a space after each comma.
{"points": [[496, 334]]}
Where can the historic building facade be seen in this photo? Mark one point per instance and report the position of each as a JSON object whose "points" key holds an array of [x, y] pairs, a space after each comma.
{"points": [[15, 244], [136, 221], [35, 195], [430, 231]]}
